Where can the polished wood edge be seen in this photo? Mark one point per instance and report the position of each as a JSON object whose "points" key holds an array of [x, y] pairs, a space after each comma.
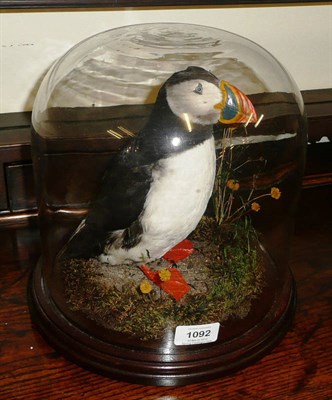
{"points": [[310, 181], [18, 220], [24, 4]]}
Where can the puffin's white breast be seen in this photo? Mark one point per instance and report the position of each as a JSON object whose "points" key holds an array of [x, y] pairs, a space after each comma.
{"points": [[181, 187]]}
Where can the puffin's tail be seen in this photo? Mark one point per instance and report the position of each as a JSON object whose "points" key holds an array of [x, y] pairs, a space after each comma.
{"points": [[84, 244]]}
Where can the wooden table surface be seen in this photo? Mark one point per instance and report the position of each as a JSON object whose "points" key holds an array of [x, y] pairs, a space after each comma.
{"points": [[299, 368]]}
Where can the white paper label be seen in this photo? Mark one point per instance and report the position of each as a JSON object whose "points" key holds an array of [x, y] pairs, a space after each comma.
{"points": [[196, 334]]}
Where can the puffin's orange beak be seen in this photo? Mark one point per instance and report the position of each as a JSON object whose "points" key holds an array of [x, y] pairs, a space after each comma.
{"points": [[236, 108]]}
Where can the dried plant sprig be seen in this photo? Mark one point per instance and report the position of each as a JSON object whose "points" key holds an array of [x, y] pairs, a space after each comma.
{"points": [[226, 188]]}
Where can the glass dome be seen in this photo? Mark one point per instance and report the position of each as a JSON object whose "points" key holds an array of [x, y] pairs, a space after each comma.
{"points": [[168, 160]]}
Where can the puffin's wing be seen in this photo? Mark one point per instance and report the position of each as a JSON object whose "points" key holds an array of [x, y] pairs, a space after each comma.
{"points": [[121, 200]]}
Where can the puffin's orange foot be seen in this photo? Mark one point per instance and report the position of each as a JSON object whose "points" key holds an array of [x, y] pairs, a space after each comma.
{"points": [[179, 252], [175, 285]]}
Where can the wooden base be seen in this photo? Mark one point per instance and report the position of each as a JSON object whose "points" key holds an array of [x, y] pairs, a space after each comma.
{"points": [[161, 363]]}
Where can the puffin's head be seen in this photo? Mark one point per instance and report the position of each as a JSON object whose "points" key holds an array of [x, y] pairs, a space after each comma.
{"points": [[194, 93], [200, 97]]}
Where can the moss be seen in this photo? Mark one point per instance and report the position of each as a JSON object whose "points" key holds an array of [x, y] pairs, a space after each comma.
{"points": [[226, 274]]}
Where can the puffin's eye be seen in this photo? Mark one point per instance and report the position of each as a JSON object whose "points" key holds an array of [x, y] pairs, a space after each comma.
{"points": [[199, 89]]}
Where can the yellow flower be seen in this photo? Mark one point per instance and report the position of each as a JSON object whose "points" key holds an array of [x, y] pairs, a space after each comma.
{"points": [[145, 287], [275, 193], [233, 184], [164, 275], [255, 206]]}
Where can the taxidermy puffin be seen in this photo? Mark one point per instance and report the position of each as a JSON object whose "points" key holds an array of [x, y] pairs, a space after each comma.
{"points": [[155, 191]]}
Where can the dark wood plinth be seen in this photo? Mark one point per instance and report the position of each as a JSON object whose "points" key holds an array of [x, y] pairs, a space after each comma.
{"points": [[161, 363]]}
